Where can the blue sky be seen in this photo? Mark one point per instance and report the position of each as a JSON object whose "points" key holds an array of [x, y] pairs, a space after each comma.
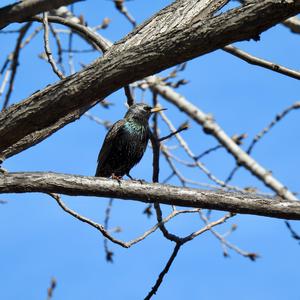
{"points": [[40, 241]]}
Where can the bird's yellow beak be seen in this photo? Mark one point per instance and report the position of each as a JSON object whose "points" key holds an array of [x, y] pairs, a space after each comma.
{"points": [[157, 109]]}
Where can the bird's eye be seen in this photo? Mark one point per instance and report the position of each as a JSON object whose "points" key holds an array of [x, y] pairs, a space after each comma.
{"points": [[147, 108]]}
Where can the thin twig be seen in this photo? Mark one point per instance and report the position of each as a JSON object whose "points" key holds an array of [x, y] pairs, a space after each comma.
{"points": [[182, 127], [70, 46], [98, 226], [105, 232], [108, 253], [47, 47], [182, 178], [103, 25], [163, 272], [208, 151], [105, 123], [119, 4], [251, 59], [294, 234], [277, 119], [59, 47], [128, 93], [155, 176], [15, 62], [251, 255], [94, 38], [51, 288], [189, 152], [10, 58], [262, 133], [179, 243], [5, 81]]}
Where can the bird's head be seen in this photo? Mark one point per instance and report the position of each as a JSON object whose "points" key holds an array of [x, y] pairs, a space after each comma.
{"points": [[141, 111]]}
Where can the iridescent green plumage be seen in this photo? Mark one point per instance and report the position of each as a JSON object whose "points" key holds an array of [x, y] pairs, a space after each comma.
{"points": [[125, 143]]}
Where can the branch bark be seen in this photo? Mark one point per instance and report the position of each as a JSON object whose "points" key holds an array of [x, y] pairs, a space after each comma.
{"points": [[180, 32], [243, 203], [19, 11]]}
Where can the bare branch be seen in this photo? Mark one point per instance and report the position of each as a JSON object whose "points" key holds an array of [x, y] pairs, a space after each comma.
{"points": [[179, 243], [211, 127], [182, 127], [252, 256], [244, 203], [294, 234], [119, 4], [47, 47], [106, 233], [260, 135], [128, 93], [277, 119], [189, 152], [163, 272], [51, 288], [94, 38], [108, 254], [253, 60], [15, 62], [19, 11], [154, 137]]}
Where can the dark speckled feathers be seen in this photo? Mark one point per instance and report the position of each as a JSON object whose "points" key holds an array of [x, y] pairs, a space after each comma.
{"points": [[125, 143]]}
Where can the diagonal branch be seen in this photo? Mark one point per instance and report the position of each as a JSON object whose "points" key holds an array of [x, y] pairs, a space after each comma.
{"points": [[251, 59], [163, 272], [15, 62], [244, 203], [179, 34], [211, 127], [21, 10]]}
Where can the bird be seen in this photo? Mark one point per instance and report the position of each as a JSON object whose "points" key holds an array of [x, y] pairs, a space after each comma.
{"points": [[125, 143]]}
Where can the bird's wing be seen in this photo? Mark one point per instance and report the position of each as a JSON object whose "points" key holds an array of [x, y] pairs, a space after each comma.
{"points": [[114, 131]]}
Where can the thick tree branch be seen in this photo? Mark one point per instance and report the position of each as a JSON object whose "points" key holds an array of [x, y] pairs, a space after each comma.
{"points": [[171, 37], [293, 23], [243, 203], [21, 10]]}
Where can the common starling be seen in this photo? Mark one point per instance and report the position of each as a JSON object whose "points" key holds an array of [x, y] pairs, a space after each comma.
{"points": [[126, 142]]}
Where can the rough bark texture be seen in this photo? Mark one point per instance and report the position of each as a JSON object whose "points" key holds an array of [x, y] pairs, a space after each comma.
{"points": [[19, 11], [149, 193], [182, 31]]}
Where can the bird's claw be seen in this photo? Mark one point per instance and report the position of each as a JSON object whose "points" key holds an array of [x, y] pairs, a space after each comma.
{"points": [[116, 177], [141, 181]]}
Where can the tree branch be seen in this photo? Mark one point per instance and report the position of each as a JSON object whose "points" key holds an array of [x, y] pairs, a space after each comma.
{"points": [[293, 24], [211, 127], [21, 10], [243, 203], [163, 272], [253, 60], [179, 34]]}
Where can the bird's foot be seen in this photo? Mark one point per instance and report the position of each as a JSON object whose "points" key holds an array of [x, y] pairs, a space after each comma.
{"points": [[3, 171], [141, 181], [116, 177]]}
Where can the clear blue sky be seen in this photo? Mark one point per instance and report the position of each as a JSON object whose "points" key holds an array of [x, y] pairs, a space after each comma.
{"points": [[40, 241]]}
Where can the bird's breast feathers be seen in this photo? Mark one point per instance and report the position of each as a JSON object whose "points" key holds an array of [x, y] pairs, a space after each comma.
{"points": [[135, 128]]}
